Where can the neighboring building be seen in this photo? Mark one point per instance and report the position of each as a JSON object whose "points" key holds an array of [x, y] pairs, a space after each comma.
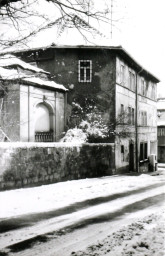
{"points": [[161, 129], [32, 108], [112, 80]]}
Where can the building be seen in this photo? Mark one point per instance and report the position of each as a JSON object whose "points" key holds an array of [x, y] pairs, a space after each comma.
{"points": [[161, 129], [109, 79], [32, 108]]}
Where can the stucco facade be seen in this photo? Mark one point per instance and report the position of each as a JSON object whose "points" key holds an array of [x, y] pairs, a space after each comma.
{"points": [[32, 107], [19, 113], [54, 101]]}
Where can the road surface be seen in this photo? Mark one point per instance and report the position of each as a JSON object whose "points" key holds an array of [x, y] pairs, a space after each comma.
{"points": [[63, 231]]}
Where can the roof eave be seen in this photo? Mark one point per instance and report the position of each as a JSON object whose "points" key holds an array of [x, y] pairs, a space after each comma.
{"points": [[119, 49]]}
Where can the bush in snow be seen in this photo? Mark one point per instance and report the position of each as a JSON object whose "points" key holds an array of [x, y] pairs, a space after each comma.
{"points": [[75, 135], [90, 130], [89, 122]]}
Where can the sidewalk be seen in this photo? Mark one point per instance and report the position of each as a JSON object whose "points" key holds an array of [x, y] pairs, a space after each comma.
{"points": [[161, 165]]}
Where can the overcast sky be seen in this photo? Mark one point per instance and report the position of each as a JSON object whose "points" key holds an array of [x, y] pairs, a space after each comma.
{"points": [[142, 33]]}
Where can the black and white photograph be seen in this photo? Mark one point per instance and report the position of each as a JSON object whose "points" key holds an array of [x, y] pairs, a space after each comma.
{"points": [[82, 128]]}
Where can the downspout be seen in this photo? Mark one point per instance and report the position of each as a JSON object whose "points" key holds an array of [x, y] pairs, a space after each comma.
{"points": [[136, 126], [28, 115], [136, 122], [65, 112]]}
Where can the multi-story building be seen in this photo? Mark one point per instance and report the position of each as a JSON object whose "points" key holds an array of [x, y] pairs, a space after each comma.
{"points": [[161, 129], [121, 89]]}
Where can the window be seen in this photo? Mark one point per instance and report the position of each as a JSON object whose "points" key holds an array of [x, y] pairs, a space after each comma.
{"points": [[122, 149], [143, 151], [161, 131], [131, 116], [122, 113], [122, 74], [85, 71], [143, 118], [122, 152], [143, 87], [131, 80], [122, 109], [153, 93]]}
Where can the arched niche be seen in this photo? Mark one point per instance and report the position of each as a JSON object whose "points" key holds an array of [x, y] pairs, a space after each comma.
{"points": [[43, 122]]}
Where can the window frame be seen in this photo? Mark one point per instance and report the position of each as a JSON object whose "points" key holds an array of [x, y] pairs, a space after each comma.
{"points": [[143, 118], [133, 116], [143, 151], [122, 74], [122, 152], [143, 87], [129, 115], [80, 68], [131, 80]]}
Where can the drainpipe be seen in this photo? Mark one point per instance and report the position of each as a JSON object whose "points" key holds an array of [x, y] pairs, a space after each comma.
{"points": [[136, 126], [136, 122], [28, 114]]}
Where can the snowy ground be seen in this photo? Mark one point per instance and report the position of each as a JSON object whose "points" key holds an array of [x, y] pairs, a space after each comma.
{"points": [[117, 215], [146, 237], [55, 196]]}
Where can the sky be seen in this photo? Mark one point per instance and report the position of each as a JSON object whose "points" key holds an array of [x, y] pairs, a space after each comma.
{"points": [[139, 29], [142, 34]]}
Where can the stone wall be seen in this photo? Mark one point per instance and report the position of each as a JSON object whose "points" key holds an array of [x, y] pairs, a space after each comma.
{"points": [[32, 164]]}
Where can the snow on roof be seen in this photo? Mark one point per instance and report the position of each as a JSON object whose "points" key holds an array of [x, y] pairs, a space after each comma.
{"points": [[51, 84], [10, 74], [10, 60]]}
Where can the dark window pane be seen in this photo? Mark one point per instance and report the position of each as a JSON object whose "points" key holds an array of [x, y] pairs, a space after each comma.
{"points": [[141, 152], [81, 74], [129, 115], [85, 64], [133, 116], [122, 149], [145, 151], [87, 74]]}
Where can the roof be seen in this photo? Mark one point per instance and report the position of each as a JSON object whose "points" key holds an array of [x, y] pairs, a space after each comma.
{"points": [[119, 50], [14, 74], [50, 84], [9, 60], [10, 74]]}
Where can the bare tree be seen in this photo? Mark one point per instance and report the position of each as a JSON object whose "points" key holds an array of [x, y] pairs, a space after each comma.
{"points": [[27, 18]]}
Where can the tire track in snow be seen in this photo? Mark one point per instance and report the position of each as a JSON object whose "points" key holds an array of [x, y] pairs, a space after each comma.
{"points": [[99, 213], [31, 219]]}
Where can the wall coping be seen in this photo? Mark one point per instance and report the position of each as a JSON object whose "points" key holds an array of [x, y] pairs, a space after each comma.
{"points": [[49, 145]]}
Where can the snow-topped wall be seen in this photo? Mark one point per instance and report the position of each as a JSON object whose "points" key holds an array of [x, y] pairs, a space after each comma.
{"points": [[32, 164]]}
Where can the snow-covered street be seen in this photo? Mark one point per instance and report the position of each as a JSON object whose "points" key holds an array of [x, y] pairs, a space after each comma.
{"points": [[66, 217]]}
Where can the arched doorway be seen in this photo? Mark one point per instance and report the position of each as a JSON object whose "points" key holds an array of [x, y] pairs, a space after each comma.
{"points": [[43, 123]]}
